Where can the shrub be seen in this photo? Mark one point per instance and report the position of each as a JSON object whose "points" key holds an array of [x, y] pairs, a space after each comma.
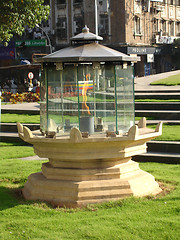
{"points": [[20, 97]]}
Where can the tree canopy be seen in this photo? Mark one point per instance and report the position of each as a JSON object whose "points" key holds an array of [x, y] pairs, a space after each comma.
{"points": [[16, 14]]}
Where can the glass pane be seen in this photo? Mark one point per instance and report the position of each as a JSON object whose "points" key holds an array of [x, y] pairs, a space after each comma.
{"points": [[105, 99], [43, 115], [62, 99], [54, 94], [96, 98], [70, 98], [125, 98], [86, 100], [84, 96]]}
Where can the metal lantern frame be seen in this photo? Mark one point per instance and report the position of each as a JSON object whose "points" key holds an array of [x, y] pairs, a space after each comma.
{"points": [[81, 69]]}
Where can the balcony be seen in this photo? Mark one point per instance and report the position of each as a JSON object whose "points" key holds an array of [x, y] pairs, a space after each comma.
{"points": [[159, 8], [178, 12], [61, 4]]}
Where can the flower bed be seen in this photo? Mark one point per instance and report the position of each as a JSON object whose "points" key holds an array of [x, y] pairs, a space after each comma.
{"points": [[20, 97]]}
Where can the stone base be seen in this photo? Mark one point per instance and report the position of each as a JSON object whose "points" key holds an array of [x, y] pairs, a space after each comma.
{"points": [[72, 187], [89, 170]]}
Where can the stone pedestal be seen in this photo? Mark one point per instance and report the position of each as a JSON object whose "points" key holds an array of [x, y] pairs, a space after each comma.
{"points": [[82, 171]]}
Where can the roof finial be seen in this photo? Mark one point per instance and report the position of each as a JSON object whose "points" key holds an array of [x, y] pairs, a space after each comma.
{"points": [[85, 29]]}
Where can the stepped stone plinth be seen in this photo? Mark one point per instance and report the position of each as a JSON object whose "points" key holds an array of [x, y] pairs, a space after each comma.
{"points": [[96, 169]]}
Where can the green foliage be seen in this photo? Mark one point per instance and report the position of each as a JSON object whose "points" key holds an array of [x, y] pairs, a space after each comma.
{"points": [[20, 97], [16, 14], [169, 81]]}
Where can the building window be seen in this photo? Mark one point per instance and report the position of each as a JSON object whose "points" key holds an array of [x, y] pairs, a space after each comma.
{"points": [[61, 28], [164, 28], [78, 24], [171, 28], [171, 2], [155, 25], [78, 1], [103, 6], [103, 25], [61, 1], [178, 29], [178, 2], [137, 25]]}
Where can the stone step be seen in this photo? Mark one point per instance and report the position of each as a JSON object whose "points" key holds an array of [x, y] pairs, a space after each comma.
{"points": [[169, 122], [157, 106], [21, 111], [160, 157], [157, 95], [164, 146], [160, 151], [157, 114], [12, 127], [11, 137], [145, 91]]}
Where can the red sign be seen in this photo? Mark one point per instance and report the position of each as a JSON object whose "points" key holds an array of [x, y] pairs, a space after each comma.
{"points": [[30, 75]]}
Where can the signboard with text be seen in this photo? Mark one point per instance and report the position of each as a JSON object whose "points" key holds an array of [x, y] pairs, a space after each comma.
{"points": [[141, 50], [150, 58], [32, 43]]}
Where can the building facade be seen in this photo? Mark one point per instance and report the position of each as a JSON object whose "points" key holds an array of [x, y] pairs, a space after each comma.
{"points": [[146, 28]]}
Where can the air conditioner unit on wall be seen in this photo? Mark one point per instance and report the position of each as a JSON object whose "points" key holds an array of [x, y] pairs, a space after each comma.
{"points": [[159, 8], [104, 5]]}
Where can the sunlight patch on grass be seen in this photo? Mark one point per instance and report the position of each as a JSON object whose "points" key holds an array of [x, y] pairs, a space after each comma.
{"points": [[169, 132], [169, 81], [22, 118], [157, 100]]}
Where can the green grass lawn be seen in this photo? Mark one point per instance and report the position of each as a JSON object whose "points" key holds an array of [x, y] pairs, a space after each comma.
{"points": [[133, 218], [169, 81], [169, 132], [157, 100], [22, 118]]}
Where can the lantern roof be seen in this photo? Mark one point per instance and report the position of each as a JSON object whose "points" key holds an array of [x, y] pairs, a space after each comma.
{"points": [[85, 48], [86, 36]]}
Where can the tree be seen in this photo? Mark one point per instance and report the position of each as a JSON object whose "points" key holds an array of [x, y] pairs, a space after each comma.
{"points": [[16, 14]]}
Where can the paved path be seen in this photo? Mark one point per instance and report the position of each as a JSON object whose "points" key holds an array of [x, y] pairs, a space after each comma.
{"points": [[143, 83], [33, 158], [21, 106]]}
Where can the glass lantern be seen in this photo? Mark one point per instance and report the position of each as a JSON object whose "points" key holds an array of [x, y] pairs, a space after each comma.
{"points": [[95, 95]]}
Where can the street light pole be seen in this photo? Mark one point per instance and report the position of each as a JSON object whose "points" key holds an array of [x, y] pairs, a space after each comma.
{"points": [[50, 46], [96, 17]]}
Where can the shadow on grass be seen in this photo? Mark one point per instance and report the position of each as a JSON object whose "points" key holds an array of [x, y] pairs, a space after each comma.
{"points": [[6, 198], [11, 197], [7, 144]]}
